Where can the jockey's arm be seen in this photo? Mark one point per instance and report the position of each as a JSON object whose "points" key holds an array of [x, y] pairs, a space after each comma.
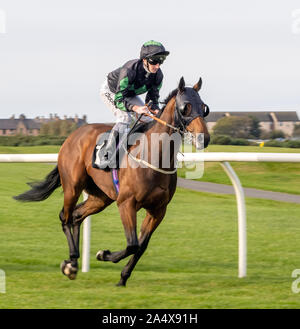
{"points": [[142, 109]]}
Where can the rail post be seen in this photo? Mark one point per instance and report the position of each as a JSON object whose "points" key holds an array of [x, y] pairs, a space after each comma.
{"points": [[87, 223], [242, 223]]}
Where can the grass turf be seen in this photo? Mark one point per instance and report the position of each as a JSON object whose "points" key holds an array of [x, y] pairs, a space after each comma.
{"points": [[191, 261]]}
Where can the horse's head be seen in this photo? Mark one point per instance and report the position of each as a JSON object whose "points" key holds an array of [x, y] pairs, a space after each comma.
{"points": [[190, 112]]}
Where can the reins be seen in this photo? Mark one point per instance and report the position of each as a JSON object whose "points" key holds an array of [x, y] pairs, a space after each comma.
{"points": [[145, 163], [162, 121]]}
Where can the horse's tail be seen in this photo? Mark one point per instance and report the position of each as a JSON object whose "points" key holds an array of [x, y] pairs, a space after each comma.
{"points": [[41, 190]]}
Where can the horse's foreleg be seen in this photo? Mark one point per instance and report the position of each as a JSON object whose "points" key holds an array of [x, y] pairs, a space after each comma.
{"points": [[149, 225], [128, 215]]}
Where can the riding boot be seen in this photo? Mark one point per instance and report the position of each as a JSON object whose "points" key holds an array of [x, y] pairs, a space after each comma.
{"points": [[107, 156]]}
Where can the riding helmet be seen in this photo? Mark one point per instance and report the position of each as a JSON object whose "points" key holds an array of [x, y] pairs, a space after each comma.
{"points": [[151, 48]]}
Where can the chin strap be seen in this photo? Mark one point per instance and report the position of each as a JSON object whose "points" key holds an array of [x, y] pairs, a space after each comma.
{"points": [[146, 67]]}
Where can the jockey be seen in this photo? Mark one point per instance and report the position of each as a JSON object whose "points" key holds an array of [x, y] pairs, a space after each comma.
{"points": [[121, 87]]}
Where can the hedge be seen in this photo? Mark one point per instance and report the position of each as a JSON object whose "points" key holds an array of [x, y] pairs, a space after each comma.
{"points": [[31, 140], [227, 140]]}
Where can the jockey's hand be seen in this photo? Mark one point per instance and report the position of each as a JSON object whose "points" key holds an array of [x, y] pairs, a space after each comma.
{"points": [[141, 109]]}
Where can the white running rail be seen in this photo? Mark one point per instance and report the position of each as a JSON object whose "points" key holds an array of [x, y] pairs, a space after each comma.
{"points": [[222, 157]]}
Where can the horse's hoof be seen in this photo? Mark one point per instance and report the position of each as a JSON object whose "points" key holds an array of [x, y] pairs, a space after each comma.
{"points": [[121, 284], [101, 255], [68, 270]]}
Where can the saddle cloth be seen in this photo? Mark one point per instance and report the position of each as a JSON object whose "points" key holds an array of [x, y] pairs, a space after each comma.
{"points": [[100, 149]]}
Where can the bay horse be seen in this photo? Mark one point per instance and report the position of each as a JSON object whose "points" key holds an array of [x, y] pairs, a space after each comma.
{"points": [[140, 187]]}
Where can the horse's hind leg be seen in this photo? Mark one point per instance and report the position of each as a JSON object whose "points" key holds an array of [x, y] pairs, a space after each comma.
{"points": [[92, 205], [69, 267], [149, 225], [128, 215]]}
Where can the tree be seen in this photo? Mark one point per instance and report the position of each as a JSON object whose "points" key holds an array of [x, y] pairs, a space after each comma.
{"points": [[66, 127], [255, 130], [54, 128], [234, 126], [58, 128], [296, 131], [44, 129]]}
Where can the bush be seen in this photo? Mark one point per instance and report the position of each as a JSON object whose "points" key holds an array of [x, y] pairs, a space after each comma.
{"points": [[220, 139], [273, 143], [288, 143], [240, 141], [277, 134], [292, 144], [226, 140], [31, 140]]}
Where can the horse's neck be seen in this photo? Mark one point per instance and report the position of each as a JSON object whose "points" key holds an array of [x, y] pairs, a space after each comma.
{"points": [[164, 132], [168, 117]]}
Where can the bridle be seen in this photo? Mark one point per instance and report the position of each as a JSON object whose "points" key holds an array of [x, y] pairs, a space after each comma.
{"points": [[181, 121]]}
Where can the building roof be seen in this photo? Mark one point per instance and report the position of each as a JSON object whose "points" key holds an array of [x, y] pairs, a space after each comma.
{"points": [[31, 124], [214, 116], [287, 116], [262, 116], [8, 124], [12, 124]]}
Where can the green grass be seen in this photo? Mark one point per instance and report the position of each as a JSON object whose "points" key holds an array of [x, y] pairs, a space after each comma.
{"points": [[29, 149], [191, 261], [277, 177]]}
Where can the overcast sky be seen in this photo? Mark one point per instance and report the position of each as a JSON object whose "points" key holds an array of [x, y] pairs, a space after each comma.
{"points": [[55, 54]]}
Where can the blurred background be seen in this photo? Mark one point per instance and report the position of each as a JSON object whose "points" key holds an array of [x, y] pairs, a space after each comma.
{"points": [[54, 55]]}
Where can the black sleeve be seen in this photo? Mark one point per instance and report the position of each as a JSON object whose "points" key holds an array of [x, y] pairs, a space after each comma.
{"points": [[153, 93], [126, 78]]}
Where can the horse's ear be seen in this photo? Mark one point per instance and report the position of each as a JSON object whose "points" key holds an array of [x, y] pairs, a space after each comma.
{"points": [[198, 85], [181, 85]]}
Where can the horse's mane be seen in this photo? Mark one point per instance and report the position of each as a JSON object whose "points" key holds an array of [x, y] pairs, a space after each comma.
{"points": [[169, 97], [143, 127]]}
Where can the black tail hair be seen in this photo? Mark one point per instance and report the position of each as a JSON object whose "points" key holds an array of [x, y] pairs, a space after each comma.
{"points": [[41, 190]]}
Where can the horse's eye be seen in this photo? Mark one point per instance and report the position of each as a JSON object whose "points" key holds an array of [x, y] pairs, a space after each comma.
{"points": [[187, 110]]}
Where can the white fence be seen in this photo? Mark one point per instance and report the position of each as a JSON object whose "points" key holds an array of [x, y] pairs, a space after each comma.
{"points": [[222, 157]]}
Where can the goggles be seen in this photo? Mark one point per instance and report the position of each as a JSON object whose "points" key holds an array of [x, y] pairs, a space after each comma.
{"points": [[156, 59]]}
